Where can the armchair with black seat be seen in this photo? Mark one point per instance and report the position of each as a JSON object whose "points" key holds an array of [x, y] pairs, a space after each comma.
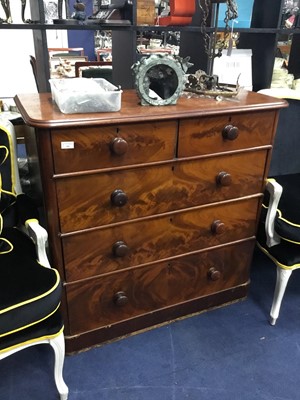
{"points": [[30, 290], [279, 231]]}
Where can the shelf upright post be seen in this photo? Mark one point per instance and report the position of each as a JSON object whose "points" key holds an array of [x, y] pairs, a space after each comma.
{"points": [[40, 45]]}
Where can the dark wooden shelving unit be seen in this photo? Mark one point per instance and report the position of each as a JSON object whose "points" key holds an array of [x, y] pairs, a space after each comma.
{"points": [[261, 38]]}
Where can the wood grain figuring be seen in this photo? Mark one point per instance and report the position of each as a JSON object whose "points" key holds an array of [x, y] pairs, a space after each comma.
{"points": [[150, 288], [204, 136], [92, 146], [91, 253], [84, 202]]}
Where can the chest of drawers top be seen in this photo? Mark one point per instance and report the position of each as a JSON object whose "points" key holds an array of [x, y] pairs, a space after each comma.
{"points": [[147, 135], [39, 111]]}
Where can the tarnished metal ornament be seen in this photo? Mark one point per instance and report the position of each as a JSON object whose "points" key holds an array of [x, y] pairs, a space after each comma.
{"points": [[160, 78]]}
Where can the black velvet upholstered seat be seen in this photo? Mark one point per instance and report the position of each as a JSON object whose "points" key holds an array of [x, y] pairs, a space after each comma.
{"points": [[30, 290], [279, 231]]}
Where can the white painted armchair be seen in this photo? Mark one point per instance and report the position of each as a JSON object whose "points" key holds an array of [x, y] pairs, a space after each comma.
{"points": [[279, 232], [30, 290]]}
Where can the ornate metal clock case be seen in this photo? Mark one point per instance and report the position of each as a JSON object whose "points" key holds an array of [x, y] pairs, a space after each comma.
{"points": [[160, 78]]}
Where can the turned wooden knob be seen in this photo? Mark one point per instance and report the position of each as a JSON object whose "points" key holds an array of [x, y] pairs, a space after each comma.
{"points": [[118, 198], [218, 227], [120, 249], [119, 146], [224, 179], [230, 132], [214, 274], [120, 299]]}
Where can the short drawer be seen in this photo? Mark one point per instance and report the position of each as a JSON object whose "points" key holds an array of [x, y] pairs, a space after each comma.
{"points": [[124, 295], [80, 149], [207, 135], [105, 198], [140, 242]]}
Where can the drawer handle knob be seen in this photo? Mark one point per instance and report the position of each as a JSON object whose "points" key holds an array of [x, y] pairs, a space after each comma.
{"points": [[120, 299], [218, 227], [119, 146], [214, 274], [118, 198], [120, 249], [224, 179], [230, 132]]}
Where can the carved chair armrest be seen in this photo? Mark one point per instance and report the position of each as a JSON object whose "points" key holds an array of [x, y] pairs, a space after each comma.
{"points": [[29, 219], [39, 236], [275, 191]]}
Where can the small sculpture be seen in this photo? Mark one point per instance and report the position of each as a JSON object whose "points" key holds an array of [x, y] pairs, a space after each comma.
{"points": [[60, 10], [6, 7], [79, 13]]}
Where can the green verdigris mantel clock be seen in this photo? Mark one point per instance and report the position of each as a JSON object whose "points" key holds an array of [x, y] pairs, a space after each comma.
{"points": [[160, 79]]}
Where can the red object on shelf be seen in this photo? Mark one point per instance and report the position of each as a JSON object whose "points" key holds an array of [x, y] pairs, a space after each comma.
{"points": [[181, 13]]}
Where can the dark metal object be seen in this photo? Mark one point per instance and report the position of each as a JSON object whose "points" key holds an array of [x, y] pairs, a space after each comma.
{"points": [[117, 12], [8, 17], [204, 84], [209, 84]]}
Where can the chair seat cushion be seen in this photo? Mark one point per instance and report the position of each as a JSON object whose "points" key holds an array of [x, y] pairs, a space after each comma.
{"points": [[287, 223], [46, 329], [29, 292], [285, 254]]}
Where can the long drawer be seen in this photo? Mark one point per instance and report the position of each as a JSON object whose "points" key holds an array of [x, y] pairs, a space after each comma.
{"points": [[145, 241], [82, 149], [105, 198], [127, 294], [207, 135]]}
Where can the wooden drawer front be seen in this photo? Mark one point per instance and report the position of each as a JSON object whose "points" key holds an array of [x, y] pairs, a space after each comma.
{"points": [[112, 146], [123, 246], [205, 135], [127, 294], [85, 202]]}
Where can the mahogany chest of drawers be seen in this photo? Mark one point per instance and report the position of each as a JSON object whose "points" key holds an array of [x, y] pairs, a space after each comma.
{"points": [[151, 211]]}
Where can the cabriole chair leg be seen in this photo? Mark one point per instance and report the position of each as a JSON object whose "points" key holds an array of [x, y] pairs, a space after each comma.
{"points": [[282, 279], [58, 345]]}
